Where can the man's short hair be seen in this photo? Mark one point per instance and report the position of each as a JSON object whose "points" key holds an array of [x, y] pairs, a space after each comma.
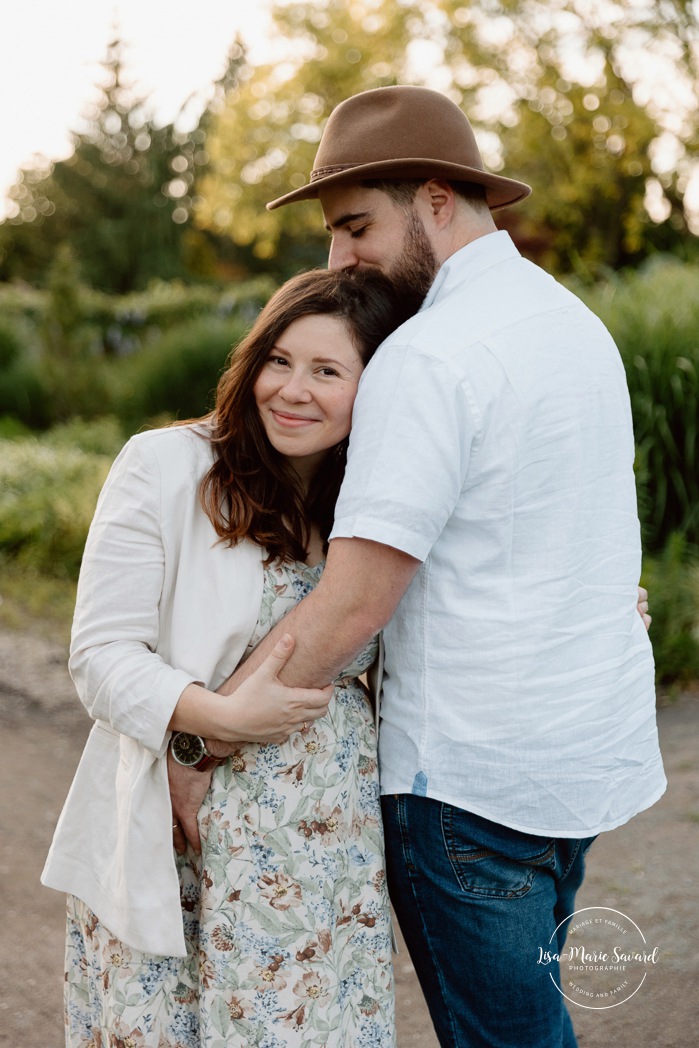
{"points": [[403, 191]]}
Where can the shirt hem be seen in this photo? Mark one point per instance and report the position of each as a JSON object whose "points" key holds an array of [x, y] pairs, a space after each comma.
{"points": [[538, 831]]}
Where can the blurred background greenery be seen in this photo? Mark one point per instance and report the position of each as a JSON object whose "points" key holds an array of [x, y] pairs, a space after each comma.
{"points": [[128, 270]]}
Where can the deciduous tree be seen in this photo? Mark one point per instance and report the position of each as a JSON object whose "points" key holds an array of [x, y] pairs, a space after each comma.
{"points": [[595, 103], [264, 139]]}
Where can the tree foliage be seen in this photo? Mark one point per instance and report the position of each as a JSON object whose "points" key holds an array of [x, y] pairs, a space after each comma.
{"points": [[263, 141], [594, 103], [121, 202], [599, 106]]}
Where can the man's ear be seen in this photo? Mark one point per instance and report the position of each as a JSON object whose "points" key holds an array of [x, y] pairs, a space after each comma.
{"points": [[439, 197]]}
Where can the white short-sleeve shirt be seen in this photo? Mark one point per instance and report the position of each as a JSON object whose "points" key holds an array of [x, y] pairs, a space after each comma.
{"points": [[492, 440]]}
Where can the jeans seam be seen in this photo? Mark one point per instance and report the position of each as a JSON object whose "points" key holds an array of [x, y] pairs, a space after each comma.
{"points": [[413, 873], [484, 853], [572, 861]]}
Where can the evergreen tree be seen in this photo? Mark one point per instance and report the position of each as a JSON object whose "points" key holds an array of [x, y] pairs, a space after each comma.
{"points": [[121, 201]]}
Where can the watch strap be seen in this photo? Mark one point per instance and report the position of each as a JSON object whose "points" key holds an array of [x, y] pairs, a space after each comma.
{"points": [[208, 761]]}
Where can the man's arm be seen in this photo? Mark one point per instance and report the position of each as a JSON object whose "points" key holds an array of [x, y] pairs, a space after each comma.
{"points": [[358, 592], [357, 595]]}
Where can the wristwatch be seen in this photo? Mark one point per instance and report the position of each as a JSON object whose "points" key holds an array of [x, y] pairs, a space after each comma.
{"points": [[190, 751]]}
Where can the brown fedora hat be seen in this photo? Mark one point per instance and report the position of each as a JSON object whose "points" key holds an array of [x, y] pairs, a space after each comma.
{"points": [[401, 132]]}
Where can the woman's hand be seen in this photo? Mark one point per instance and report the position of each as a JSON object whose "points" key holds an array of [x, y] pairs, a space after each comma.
{"points": [[188, 787], [262, 710], [258, 708]]}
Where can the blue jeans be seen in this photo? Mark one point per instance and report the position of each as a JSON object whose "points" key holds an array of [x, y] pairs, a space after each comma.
{"points": [[475, 902]]}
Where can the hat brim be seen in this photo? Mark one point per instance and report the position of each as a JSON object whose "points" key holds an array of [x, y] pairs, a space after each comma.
{"points": [[500, 191]]}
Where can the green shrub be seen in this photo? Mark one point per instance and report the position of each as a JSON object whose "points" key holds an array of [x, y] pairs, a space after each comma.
{"points": [[103, 355], [672, 581], [10, 343], [47, 499], [177, 376], [167, 304], [653, 315], [119, 325], [23, 389], [101, 436], [21, 302], [11, 428], [24, 393]]}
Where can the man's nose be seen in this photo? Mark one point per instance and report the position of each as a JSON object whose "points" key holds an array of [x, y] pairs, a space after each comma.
{"points": [[342, 255]]}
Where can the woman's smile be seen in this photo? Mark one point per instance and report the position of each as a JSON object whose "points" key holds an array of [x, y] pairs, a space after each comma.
{"points": [[286, 418], [306, 388]]}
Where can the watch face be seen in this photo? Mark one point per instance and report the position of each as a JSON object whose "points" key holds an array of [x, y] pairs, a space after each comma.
{"points": [[187, 749]]}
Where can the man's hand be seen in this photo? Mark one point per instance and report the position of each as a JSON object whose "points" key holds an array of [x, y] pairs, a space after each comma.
{"points": [[643, 607]]}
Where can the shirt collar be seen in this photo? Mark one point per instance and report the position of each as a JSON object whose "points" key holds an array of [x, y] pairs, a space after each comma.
{"points": [[469, 261]]}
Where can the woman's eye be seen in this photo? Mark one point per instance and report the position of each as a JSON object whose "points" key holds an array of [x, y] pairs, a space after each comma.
{"points": [[278, 360], [328, 371]]}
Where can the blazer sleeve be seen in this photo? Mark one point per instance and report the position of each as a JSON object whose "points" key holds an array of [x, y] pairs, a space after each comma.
{"points": [[113, 661], [375, 675]]}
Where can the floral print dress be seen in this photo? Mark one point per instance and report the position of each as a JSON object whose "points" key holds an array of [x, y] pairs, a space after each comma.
{"points": [[285, 912]]}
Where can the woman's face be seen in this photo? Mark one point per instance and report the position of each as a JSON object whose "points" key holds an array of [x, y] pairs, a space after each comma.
{"points": [[306, 389]]}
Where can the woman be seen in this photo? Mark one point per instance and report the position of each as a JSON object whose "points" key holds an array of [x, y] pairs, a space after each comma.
{"points": [[205, 534]]}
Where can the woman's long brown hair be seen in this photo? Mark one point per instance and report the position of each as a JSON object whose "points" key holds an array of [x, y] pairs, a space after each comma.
{"points": [[251, 491]]}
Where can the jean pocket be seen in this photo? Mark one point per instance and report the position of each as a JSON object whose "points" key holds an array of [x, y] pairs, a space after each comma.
{"points": [[493, 861]]}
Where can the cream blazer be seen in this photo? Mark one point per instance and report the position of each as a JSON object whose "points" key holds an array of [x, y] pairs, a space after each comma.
{"points": [[161, 603]]}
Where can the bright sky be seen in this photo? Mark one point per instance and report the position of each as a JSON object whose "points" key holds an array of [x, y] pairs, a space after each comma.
{"points": [[50, 54]]}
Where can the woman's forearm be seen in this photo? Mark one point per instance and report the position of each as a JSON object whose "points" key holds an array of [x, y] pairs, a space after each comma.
{"points": [[198, 711], [261, 710]]}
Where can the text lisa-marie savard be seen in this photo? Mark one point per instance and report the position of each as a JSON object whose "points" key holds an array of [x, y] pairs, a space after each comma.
{"points": [[617, 958]]}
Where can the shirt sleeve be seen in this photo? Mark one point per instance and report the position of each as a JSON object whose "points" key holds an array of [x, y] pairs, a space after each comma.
{"points": [[119, 677], [413, 428]]}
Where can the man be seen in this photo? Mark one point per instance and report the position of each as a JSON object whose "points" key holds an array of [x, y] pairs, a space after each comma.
{"points": [[488, 524]]}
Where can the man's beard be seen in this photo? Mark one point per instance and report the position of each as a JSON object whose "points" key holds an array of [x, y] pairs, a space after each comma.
{"points": [[414, 270]]}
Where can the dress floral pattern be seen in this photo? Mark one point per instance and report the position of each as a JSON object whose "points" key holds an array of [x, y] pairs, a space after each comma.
{"points": [[286, 912]]}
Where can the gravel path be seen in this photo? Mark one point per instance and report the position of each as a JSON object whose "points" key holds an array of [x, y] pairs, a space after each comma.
{"points": [[646, 869]]}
